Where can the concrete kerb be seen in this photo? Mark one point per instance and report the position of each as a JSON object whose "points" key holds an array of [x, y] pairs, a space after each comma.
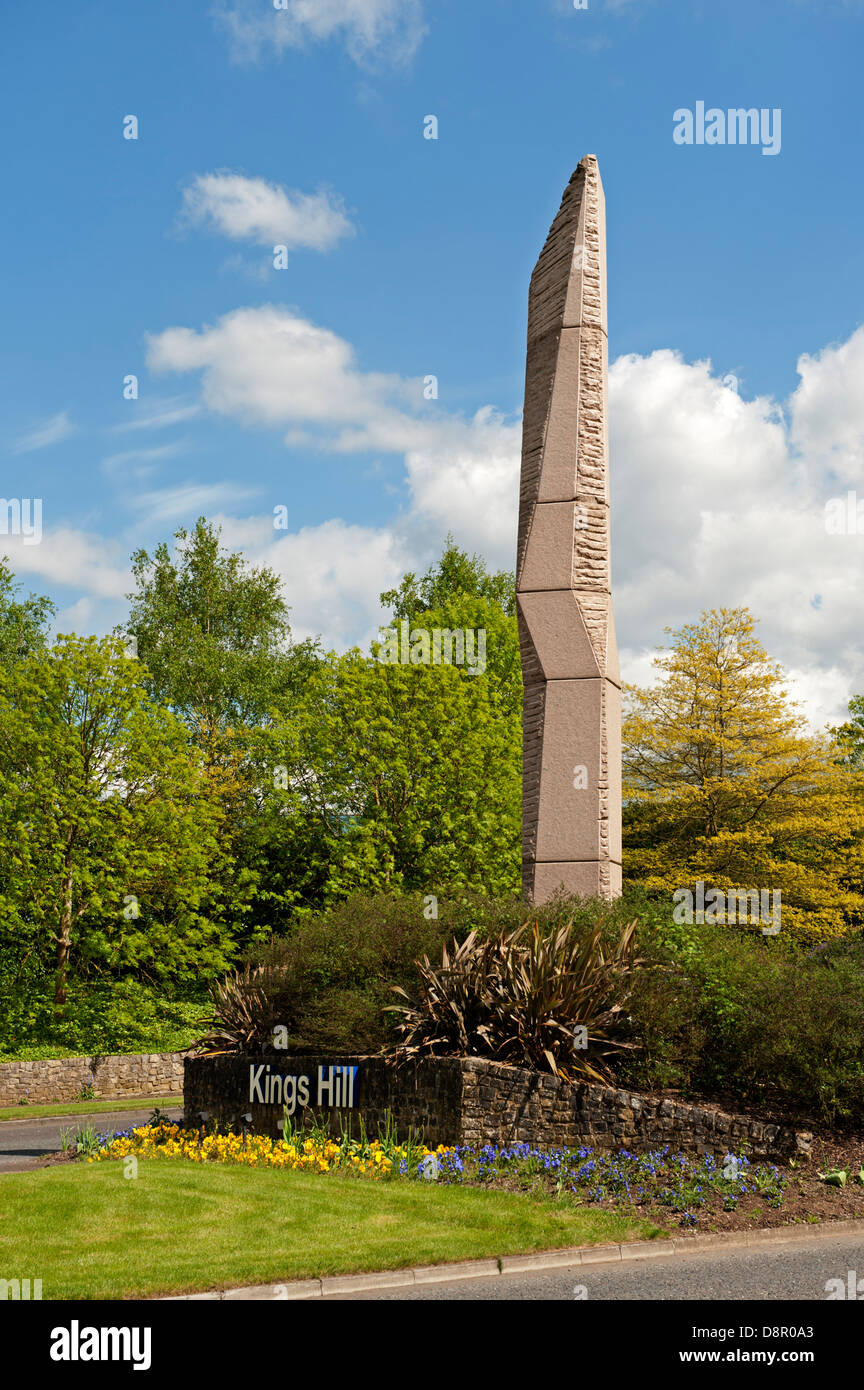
{"points": [[572, 1258]]}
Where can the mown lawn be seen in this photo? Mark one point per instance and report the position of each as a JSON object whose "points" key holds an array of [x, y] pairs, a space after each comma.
{"points": [[88, 1232], [89, 1107]]}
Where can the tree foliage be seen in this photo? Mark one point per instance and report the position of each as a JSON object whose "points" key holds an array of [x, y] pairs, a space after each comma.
{"points": [[108, 836], [725, 786], [230, 783], [213, 632], [403, 777], [849, 737], [455, 575], [23, 625]]}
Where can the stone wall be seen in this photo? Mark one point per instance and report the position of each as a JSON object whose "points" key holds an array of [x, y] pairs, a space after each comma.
{"points": [[111, 1078], [470, 1101]]}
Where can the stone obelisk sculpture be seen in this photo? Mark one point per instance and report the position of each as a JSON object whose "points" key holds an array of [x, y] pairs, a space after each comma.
{"points": [[571, 797]]}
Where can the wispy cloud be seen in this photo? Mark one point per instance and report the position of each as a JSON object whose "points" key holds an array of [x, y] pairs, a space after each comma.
{"points": [[189, 500], [157, 414], [49, 432], [374, 32], [138, 463]]}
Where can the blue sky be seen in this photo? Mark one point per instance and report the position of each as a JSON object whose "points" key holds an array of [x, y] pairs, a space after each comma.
{"points": [[302, 386]]}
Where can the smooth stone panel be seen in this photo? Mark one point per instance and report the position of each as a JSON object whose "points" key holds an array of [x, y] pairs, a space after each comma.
{"points": [[557, 629], [548, 562]]}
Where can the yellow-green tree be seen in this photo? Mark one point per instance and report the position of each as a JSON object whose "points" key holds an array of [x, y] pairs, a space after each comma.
{"points": [[724, 785]]}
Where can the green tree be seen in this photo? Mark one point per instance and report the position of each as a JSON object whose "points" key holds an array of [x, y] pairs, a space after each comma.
{"points": [[723, 785], [458, 592], [402, 777], [398, 776], [214, 634], [455, 575], [849, 737], [22, 624], [108, 833]]}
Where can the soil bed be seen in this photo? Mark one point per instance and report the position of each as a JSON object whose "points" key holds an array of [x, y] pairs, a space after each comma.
{"points": [[797, 1196]]}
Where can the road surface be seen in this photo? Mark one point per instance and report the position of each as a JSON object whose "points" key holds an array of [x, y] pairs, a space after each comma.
{"points": [[26, 1144], [797, 1271]]}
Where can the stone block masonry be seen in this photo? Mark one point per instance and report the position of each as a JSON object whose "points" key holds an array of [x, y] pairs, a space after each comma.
{"points": [[571, 789], [467, 1101], [109, 1078]]}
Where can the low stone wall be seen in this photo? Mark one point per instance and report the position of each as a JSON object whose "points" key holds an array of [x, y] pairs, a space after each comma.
{"points": [[427, 1096], [111, 1078], [465, 1101]]}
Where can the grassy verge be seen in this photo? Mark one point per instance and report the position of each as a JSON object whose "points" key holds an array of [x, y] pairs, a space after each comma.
{"points": [[178, 1227], [89, 1107]]}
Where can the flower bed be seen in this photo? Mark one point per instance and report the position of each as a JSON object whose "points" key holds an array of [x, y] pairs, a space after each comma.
{"points": [[317, 1154], [667, 1183]]}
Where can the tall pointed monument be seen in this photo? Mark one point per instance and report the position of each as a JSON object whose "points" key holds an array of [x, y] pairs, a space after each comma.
{"points": [[571, 790]]}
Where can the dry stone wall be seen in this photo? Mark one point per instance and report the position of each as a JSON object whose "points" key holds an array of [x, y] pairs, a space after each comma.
{"points": [[103, 1078], [466, 1101]]}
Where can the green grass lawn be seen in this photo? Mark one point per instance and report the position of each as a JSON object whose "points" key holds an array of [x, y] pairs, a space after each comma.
{"points": [[89, 1107], [88, 1232]]}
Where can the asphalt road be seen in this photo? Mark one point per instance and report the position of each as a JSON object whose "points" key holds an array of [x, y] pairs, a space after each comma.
{"points": [[26, 1144], [797, 1271]]}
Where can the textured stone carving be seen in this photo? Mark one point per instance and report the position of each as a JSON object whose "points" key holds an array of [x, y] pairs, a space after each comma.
{"points": [[571, 805]]}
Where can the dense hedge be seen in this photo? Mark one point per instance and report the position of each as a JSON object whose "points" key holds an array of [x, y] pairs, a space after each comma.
{"points": [[718, 1011]]}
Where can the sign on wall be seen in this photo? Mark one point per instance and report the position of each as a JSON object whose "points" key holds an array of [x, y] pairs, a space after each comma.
{"points": [[333, 1087]]}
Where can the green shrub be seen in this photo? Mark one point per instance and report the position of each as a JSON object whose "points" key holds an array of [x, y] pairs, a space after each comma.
{"points": [[328, 980], [753, 1019], [548, 998], [722, 1013]]}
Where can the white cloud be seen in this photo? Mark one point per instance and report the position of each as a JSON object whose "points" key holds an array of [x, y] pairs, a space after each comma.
{"points": [[374, 32], [268, 366], [255, 210], [717, 500], [822, 694], [332, 573], [51, 431], [78, 616], [465, 478], [72, 559], [828, 408]]}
